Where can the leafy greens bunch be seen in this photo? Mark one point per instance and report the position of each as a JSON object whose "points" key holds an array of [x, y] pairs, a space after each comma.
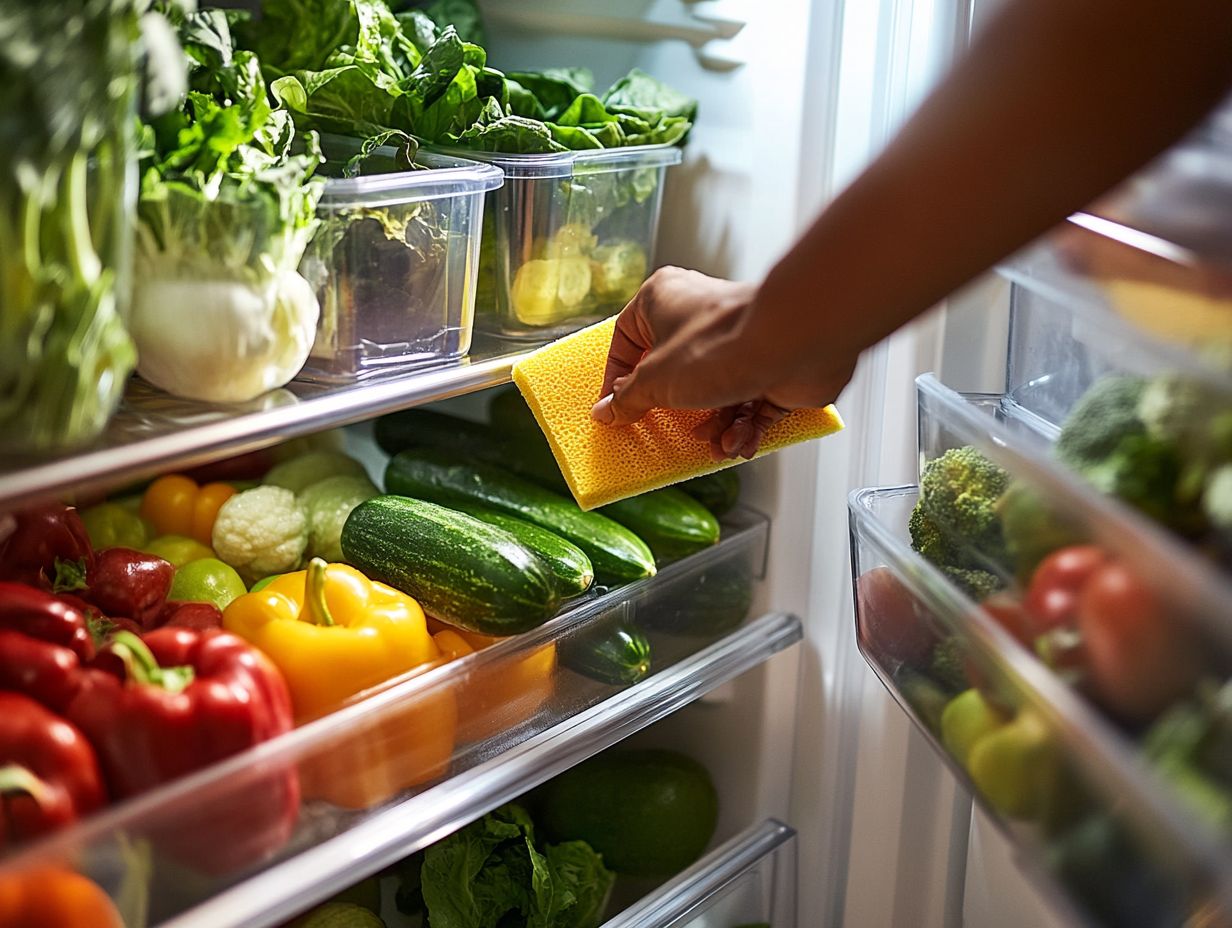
{"points": [[354, 67], [227, 207], [68, 84], [493, 874]]}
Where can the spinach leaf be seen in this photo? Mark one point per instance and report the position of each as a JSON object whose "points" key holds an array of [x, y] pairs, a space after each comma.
{"points": [[637, 92], [555, 88], [463, 15]]}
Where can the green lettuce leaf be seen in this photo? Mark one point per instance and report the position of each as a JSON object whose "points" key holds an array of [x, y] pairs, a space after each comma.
{"points": [[490, 874]]}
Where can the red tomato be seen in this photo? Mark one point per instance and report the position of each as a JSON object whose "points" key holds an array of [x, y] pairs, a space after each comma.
{"points": [[892, 626], [1137, 659], [1008, 612], [1052, 597]]}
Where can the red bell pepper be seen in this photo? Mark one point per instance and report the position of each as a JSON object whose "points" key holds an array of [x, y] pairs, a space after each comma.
{"points": [[177, 702], [190, 614], [49, 775], [129, 583], [39, 536], [44, 641]]}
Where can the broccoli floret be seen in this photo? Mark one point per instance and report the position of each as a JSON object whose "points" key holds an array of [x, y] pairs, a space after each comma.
{"points": [[1105, 414], [1033, 528], [955, 523], [977, 584], [1106, 440], [930, 540], [1144, 471], [947, 664], [1194, 417], [960, 489]]}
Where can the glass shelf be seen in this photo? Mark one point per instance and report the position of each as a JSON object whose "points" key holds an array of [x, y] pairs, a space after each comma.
{"points": [[404, 765], [749, 880], [1096, 824], [154, 432]]}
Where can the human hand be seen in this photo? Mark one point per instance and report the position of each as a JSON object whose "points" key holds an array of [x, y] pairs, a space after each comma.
{"points": [[688, 341]]}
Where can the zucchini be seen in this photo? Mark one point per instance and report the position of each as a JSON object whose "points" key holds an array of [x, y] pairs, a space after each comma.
{"points": [[616, 653], [672, 523], [571, 567], [617, 555], [718, 492], [462, 571]]}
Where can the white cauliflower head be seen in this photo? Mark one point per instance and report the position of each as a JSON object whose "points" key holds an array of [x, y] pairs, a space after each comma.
{"points": [[261, 531]]}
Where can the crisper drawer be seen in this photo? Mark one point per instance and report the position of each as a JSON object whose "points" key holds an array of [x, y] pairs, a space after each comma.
{"points": [[1095, 822], [749, 881], [289, 822], [1095, 299]]}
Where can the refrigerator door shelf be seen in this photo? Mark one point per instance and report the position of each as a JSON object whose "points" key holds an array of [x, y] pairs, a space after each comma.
{"points": [[1096, 825], [154, 432], [749, 880], [1064, 509], [1096, 295], [404, 765]]}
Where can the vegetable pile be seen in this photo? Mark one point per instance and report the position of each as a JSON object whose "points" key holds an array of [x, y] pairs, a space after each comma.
{"points": [[273, 589], [1097, 620], [354, 68], [220, 312], [68, 84], [549, 859]]}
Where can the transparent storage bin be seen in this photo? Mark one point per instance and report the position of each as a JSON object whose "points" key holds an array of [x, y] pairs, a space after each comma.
{"points": [[569, 237], [394, 265], [1096, 824], [749, 880], [1096, 296], [281, 826]]}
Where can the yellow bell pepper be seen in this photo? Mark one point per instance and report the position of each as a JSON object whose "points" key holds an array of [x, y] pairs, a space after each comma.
{"points": [[503, 693], [333, 633]]}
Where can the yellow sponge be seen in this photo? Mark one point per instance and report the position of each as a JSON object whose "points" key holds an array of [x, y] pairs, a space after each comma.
{"points": [[604, 463]]}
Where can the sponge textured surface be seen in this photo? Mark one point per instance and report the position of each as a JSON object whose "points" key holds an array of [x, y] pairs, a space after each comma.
{"points": [[604, 463]]}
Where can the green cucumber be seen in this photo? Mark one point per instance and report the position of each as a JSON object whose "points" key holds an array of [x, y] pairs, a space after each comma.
{"points": [[528, 456], [718, 492], [508, 413], [617, 555], [672, 523], [616, 653], [570, 565], [461, 570]]}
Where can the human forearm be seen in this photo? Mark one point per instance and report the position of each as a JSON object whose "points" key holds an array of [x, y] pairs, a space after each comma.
{"points": [[1056, 102]]}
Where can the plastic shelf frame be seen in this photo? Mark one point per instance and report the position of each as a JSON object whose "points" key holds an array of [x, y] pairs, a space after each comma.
{"points": [[154, 432], [406, 764], [748, 880], [1095, 825]]}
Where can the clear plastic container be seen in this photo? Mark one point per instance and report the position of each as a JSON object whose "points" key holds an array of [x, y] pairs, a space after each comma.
{"points": [[1134, 289], [749, 880], [569, 237], [394, 267], [279, 827], [1097, 825]]}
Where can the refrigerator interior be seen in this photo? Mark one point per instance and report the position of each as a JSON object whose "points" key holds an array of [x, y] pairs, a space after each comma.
{"points": [[794, 97]]}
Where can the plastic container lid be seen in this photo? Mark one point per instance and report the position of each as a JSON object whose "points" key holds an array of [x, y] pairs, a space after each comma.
{"points": [[565, 163], [447, 177]]}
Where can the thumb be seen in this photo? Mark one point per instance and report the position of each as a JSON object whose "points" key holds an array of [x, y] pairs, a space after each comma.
{"points": [[631, 398]]}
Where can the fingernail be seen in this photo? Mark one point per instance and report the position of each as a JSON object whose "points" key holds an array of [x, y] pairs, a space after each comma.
{"points": [[602, 411], [749, 449]]}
